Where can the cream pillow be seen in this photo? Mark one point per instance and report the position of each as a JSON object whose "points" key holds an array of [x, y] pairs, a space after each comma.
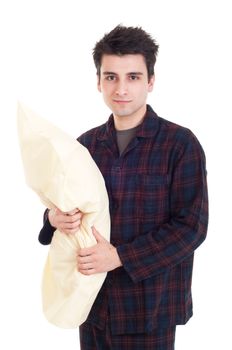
{"points": [[62, 172]]}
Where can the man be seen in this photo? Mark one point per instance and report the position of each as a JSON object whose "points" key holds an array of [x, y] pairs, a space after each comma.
{"points": [[155, 176]]}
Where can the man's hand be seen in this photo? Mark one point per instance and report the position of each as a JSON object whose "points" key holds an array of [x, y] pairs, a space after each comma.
{"points": [[68, 223], [102, 257]]}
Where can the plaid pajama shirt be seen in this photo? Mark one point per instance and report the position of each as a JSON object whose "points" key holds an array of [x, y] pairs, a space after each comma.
{"points": [[159, 213], [91, 338]]}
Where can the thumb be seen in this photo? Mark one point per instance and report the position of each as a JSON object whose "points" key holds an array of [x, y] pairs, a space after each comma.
{"points": [[97, 235]]}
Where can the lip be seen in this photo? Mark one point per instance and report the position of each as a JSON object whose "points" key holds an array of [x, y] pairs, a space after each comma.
{"points": [[122, 101]]}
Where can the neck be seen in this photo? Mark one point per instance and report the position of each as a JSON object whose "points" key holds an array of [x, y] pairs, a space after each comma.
{"points": [[126, 122]]}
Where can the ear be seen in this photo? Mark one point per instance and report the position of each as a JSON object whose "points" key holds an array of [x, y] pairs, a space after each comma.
{"points": [[151, 83], [98, 83]]}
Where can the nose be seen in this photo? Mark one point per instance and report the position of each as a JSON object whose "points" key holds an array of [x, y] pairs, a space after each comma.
{"points": [[121, 88]]}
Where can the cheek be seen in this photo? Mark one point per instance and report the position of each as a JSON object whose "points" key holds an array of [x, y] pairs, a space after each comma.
{"points": [[107, 99], [142, 93], [107, 91]]}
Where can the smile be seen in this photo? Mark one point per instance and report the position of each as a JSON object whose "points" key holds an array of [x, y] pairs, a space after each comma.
{"points": [[122, 101]]}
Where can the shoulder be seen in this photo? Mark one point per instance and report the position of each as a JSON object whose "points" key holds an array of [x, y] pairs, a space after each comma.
{"points": [[166, 129], [91, 135], [174, 138], [177, 135], [185, 145]]}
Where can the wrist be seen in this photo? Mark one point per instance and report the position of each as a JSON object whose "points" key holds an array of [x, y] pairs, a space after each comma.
{"points": [[51, 214], [118, 260]]}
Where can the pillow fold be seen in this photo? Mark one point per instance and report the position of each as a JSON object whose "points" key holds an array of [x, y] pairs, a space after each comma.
{"points": [[64, 175]]}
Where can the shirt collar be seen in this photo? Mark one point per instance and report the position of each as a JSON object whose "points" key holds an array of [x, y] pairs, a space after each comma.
{"points": [[148, 128]]}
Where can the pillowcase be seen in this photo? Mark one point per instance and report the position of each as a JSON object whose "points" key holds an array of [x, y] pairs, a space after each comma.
{"points": [[64, 175]]}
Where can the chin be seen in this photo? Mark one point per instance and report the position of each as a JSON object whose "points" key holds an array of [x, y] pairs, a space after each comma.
{"points": [[121, 113]]}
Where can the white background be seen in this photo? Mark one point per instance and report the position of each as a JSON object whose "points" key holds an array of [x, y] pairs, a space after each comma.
{"points": [[46, 61]]}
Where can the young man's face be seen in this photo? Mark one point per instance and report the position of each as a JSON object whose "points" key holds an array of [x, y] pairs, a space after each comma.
{"points": [[124, 84]]}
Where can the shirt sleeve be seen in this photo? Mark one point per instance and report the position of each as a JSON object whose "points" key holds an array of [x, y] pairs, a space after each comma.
{"points": [[174, 241], [46, 233]]}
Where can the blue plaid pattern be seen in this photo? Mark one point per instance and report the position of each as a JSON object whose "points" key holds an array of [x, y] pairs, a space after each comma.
{"points": [[158, 204], [92, 338]]}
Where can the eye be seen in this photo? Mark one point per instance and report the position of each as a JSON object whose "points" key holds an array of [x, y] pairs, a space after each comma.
{"points": [[133, 77], [110, 77]]}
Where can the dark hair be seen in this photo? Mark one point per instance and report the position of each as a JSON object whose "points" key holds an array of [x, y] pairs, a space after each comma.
{"points": [[127, 40]]}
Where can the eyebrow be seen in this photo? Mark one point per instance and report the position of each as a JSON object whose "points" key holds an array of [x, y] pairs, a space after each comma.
{"points": [[108, 73], [130, 73]]}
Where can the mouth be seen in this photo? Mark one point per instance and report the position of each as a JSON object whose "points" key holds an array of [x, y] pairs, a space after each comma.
{"points": [[122, 101]]}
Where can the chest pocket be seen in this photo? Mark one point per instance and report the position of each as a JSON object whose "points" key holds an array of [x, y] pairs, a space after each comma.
{"points": [[153, 199]]}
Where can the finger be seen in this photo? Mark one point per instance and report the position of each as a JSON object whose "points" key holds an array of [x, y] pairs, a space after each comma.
{"points": [[71, 228], [84, 259], [72, 225], [67, 219], [86, 266], [70, 231], [72, 212], [85, 252], [76, 217], [87, 272], [66, 227], [97, 235], [71, 218]]}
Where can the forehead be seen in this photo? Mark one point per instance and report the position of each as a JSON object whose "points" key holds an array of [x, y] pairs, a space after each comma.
{"points": [[123, 64]]}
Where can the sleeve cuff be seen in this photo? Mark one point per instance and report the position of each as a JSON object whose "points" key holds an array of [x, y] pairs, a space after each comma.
{"points": [[46, 233]]}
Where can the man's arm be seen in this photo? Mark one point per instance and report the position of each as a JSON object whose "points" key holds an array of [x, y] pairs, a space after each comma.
{"points": [[102, 257], [67, 223], [46, 233], [174, 241]]}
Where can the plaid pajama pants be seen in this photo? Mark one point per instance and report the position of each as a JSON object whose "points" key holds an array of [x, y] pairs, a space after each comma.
{"points": [[92, 338]]}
